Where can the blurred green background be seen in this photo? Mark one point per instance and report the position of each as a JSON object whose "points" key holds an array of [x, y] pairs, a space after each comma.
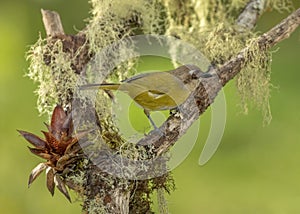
{"points": [[255, 170]]}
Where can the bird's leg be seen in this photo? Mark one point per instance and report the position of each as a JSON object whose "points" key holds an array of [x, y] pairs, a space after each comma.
{"points": [[147, 113]]}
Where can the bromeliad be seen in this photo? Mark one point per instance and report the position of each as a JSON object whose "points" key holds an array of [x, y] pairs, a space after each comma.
{"points": [[60, 149]]}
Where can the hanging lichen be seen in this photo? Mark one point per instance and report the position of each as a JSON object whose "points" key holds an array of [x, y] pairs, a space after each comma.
{"points": [[210, 27], [279, 5], [254, 81], [51, 68]]}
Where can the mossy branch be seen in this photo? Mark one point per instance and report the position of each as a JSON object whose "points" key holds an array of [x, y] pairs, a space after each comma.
{"points": [[121, 198]]}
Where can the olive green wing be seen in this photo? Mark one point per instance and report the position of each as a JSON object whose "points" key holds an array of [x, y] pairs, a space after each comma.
{"points": [[138, 76]]}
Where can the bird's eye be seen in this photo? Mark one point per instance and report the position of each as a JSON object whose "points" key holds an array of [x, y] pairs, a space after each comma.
{"points": [[194, 74]]}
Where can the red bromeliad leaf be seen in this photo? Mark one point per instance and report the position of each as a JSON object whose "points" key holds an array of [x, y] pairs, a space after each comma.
{"points": [[68, 125], [57, 121], [36, 172], [51, 140], [61, 187], [49, 137], [60, 148], [50, 180], [33, 139], [41, 153]]}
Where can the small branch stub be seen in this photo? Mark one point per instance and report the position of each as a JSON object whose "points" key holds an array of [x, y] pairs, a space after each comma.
{"points": [[52, 23]]}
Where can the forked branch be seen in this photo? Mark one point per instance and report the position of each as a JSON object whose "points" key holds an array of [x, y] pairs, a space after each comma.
{"points": [[204, 95]]}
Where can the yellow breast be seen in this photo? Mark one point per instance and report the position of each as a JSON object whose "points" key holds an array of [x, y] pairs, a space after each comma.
{"points": [[156, 91]]}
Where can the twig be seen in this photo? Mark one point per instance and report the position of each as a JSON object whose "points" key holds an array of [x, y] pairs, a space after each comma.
{"points": [[253, 10], [52, 23]]}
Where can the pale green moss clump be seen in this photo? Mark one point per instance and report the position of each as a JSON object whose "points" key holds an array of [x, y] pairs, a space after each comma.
{"points": [[96, 206], [76, 179], [279, 5], [56, 79], [254, 81], [215, 34], [113, 21], [191, 15]]}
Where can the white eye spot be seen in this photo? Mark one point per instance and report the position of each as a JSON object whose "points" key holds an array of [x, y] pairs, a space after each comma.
{"points": [[194, 73], [191, 72]]}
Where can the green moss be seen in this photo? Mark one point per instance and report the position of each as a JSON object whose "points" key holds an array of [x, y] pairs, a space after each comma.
{"points": [[254, 81], [95, 206], [279, 5], [213, 33], [192, 15], [51, 68]]}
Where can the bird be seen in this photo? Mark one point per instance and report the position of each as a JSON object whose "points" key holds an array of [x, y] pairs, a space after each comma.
{"points": [[157, 91]]}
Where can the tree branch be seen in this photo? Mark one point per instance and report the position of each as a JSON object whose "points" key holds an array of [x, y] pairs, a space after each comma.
{"points": [[253, 10], [207, 90], [117, 199]]}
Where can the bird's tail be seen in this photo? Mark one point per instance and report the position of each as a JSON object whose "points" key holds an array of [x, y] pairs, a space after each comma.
{"points": [[104, 86]]}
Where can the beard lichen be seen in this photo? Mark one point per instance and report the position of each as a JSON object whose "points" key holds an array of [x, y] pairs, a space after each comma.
{"points": [[193, 15], [279, 5], [254, 81], [210, 27], [111, 25], [51, 68]]}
